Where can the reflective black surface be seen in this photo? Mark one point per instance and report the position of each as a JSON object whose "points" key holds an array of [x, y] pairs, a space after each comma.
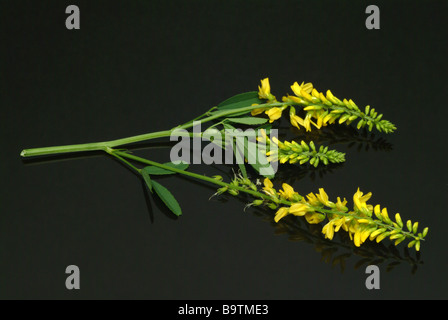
{"points": [[142, 66]]}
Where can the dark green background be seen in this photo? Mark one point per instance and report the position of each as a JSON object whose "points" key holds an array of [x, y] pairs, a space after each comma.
{"points": [[142, 66]]}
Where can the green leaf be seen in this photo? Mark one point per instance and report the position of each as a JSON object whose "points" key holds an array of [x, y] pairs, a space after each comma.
{"points": [[151, 170], [147, 180], [248, 120], [240, 100], [166, 196]]}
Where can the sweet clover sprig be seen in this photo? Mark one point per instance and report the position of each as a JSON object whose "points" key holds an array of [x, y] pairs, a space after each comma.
{"points": [[307, 108], [325, 109]]}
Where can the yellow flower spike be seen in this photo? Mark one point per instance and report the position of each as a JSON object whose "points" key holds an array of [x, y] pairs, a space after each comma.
{"points": [[281, 213], [274, 114], [298, 209]]}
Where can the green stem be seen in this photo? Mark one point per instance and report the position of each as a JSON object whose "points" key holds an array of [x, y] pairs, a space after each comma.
{"points": [[102, 146], [112, 153], [187, 173]]}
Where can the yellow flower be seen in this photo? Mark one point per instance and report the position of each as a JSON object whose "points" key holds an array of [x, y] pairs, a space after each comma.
{"points": [[357, 237], [274, 113], [287, 192], [321, 119], [264, 92], [312, 200], [257, 111], [340, 205], [314, 218], [268, 187], [299, 209], [360, 200], [298, 100], [323, 197], [295, 120], [297, 89], [341, 222], [328, 230], [281, 213], [307, 122]]}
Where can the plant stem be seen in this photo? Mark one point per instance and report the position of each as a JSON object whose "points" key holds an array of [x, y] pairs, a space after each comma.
{"points": [[102, 146], [139, 171], [186, 173]]}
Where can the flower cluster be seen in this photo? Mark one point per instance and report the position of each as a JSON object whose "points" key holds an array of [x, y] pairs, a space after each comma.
{"points": [[363, 222], [293, 152], [321, 109]]}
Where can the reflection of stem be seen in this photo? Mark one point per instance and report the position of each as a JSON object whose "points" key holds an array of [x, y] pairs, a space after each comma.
{"points": [[102, 146]]}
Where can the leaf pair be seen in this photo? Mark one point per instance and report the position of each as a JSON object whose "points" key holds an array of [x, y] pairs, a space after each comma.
{"points": [[164, 194]]}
